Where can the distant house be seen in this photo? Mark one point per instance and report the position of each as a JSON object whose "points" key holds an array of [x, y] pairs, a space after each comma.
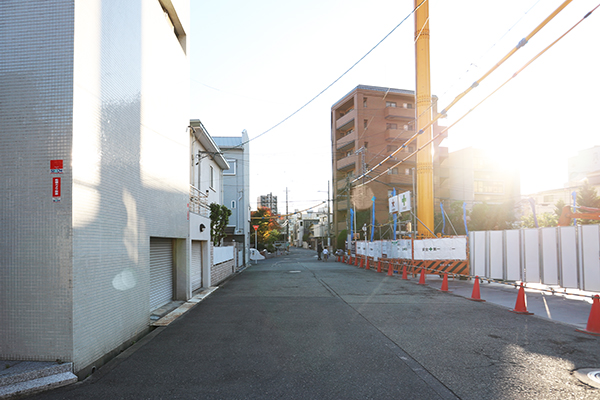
{"points": [[236, 192], [206, 187]]}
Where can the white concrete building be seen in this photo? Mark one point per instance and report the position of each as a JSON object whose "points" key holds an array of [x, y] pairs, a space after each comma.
{"points": [[95, 174]]}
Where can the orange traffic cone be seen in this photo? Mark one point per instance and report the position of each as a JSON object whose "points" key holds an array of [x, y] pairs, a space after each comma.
{"points": [[355, 260], [367, 263], [390, 268], [378, 265], [593, 324], [445, 283], [475, 296], [404, 272], [422, 278], [521, 304]]}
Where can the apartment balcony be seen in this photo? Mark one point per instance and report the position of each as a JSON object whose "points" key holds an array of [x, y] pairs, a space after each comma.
{"points": [[392, 113], [346, 162], [398, 136], [346, 140], [397, 179], [345, 119]]}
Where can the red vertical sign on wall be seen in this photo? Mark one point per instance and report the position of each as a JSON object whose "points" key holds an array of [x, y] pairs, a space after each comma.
{"points": [[56, 189]]}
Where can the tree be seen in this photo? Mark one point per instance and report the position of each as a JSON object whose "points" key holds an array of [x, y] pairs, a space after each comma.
{"points": [[454, 212], [558, 207], [487, 217], [219, 217], [587, 197], [546, 219], [268, 228]]}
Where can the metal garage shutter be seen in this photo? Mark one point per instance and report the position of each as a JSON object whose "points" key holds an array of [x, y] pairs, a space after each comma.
{"points": [[196, 267], [161, 272]]}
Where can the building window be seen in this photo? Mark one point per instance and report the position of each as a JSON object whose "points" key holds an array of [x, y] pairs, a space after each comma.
{"points": [[365, 102], [390, 104], [408, 105], [391, 126], [212, 177], [365, 123], [233, 204], [232, 168], [393, 171]]}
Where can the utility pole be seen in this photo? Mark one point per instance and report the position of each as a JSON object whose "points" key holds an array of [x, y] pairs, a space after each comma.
{"points": [[423, 97], [328, 222], [287, 217]]}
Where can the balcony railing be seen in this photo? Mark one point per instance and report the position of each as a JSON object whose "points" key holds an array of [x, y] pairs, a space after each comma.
{"points": [[199, 202], [399, 112], [346, 118]]}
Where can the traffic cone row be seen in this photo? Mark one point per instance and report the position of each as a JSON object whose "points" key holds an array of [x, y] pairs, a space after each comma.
{"points": [[592, 327]]}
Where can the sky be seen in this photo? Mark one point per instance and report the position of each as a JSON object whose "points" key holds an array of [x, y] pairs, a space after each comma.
{"points": [[254, 64]]}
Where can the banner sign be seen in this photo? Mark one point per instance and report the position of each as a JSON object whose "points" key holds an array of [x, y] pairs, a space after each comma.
{"points": [[441, 249]]}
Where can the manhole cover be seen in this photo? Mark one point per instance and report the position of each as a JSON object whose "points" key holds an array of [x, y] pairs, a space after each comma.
{"points": [[590, 376]]}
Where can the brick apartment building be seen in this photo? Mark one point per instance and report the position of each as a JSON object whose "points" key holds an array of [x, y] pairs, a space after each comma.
{"points": [[368, 124]]}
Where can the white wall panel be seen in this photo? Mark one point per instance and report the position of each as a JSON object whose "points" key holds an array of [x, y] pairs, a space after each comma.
{"points": [[496, 254], [531, 255], [478, 253], [568, 256], [550, 256], [590, 243], [512, 252]]}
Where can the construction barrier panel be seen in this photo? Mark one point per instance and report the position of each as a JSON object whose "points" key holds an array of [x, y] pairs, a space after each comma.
{"points": [[563, 256]]}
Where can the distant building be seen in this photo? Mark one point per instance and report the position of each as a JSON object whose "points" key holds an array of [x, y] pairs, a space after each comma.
{"points": [[474, 177], [268, 201], [367, 125], [585, 165], [236, 192]]}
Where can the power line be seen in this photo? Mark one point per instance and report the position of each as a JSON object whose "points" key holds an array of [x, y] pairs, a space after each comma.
{"points": [[477, 105], [521, 43], [335, 81]]}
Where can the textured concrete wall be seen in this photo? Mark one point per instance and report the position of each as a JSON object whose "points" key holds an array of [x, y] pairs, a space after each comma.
{"points": [[105, 81], [36, 83]]}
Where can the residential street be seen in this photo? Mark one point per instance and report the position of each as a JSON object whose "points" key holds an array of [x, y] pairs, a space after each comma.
{"points": [[292, 327]]}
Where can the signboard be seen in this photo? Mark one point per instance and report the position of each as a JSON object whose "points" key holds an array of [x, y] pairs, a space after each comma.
{"points": [[399, 203], [56, 189], [56, 166]]}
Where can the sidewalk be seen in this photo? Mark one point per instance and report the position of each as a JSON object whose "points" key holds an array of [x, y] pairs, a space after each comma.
{"points": [[296, 328]]}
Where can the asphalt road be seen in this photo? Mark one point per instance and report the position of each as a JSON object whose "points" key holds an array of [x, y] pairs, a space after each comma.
{"points": [[293, 327]]}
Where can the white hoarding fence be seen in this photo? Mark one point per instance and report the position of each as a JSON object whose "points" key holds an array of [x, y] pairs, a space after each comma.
{"points": [[568, 257]]}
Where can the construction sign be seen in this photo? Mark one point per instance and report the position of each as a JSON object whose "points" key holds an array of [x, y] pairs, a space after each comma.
{"points": [[399, 203]]}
